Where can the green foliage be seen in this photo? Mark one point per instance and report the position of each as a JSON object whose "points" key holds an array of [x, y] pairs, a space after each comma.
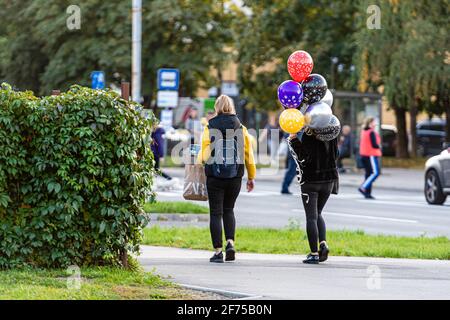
{"points": [[409, 54], [265, 40], [42, 54], [75, 172]]}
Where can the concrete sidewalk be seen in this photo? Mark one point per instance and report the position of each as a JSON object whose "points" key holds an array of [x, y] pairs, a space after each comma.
{"points": [[390, 179], [265, 276]]}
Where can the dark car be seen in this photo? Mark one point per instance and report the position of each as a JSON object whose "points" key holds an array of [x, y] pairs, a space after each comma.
{"points": [[430, 137], [388, 140]]}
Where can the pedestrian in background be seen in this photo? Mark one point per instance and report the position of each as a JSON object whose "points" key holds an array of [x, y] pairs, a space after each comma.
{"points": [[157, 147], [272, 135], [318, 179], [226, 149], [344, 146], [370, 152], [193, 125]]}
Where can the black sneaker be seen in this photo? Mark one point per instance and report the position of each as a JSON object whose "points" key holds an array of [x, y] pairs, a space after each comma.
{"points": [[369, 196], [230, 252], [323, 252], [217, 258], [311, 259], [363, 192]]}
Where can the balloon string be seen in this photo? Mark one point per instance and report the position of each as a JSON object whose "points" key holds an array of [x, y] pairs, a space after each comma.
{"points": [[299, 170]]}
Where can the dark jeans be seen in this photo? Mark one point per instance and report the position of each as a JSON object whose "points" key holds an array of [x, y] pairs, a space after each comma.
{"points": [[290, 174], [222, 195], [314, 197], [372, 172]]}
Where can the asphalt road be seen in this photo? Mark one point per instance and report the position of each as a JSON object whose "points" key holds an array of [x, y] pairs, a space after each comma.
{"points": [[393, 212], [256, 276]]}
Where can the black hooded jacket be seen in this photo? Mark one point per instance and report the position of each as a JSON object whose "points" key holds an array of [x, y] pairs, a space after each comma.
{"points": [[223, 122], [317, 158]]}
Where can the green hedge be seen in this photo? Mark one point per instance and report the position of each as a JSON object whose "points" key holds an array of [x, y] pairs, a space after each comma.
{"points": [[75, 171]]}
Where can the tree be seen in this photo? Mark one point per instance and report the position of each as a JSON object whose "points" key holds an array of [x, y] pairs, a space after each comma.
{"points": [[188, 34], [376, 63], [275, 29], [407, 57]]}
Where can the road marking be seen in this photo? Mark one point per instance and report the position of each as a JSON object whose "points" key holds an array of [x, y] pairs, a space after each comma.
{"points": [[349, 215], [369, 217], [396, 203]]}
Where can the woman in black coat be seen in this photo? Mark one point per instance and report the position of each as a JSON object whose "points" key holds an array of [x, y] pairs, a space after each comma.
{"points": [[318, 175]]}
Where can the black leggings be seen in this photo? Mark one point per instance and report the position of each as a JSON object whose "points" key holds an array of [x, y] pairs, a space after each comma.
{"points": [[315, 196], [222, 195]]}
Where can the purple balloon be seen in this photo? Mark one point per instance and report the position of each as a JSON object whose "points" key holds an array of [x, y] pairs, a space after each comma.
{"points": [[290, 94]]}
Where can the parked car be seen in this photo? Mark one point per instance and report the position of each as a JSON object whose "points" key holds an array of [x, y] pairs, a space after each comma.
{"points": [[430, 137], [388, 140], [437, 178]]}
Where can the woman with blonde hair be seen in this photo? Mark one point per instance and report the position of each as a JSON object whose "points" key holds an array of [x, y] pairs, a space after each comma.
{"points": [[370, 151], [226, 150]]}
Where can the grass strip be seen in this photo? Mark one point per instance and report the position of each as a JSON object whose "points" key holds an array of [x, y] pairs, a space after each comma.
{"points": [[294, 241], [97, 283], [175, 207]]}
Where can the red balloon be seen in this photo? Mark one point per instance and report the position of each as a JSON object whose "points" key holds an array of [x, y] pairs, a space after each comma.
{"points": [[300, 65]]}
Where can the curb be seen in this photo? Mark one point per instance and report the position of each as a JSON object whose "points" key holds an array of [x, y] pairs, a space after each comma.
{"points": [[231, 294], [183, 217]]}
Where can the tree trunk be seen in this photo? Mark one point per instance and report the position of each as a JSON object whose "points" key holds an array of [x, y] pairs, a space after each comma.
{"points": [[413, 123], [219, 78], [124, 258], [402, 137], [447, 117]]}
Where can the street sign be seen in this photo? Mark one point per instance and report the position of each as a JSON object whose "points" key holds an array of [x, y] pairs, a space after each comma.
{"points": [[167, 99], [208, 105], [98, 80], [168, 79], [230, 88], [167, 118]]}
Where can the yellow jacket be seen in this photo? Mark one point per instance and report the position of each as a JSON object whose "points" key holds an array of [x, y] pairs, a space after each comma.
{"points": [[205, 152]]}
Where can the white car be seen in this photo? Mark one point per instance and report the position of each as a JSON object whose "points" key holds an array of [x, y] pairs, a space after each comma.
{"points": [[437, 178]]}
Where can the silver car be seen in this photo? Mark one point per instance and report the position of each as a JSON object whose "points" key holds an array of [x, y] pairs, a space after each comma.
{"points": [[437, 178]]}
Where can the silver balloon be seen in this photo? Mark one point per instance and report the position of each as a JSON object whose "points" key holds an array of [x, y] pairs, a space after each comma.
{"points": [[303, 107], [328, 99], [331, 131], [318, 115]]}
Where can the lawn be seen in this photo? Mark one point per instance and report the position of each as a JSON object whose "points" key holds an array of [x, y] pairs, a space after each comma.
{"points": [[294, 241], [99, 283], [411, 163], [175, 207]]}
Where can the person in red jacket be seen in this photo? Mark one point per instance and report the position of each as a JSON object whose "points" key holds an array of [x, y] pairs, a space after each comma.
{"points": [[370, 151]]}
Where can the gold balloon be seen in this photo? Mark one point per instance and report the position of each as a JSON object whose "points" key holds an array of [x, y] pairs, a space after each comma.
{"points": [[292, 121]]}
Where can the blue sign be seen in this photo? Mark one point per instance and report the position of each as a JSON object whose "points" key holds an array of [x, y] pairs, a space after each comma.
{"points": [[168, 79], [98, 80]]}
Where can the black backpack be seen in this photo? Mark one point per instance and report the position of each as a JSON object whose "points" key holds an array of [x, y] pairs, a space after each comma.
{"points": [[226, 158]]}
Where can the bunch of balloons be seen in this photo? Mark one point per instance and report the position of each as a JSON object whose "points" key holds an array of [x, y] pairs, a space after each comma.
{"points": [[307, 100]]}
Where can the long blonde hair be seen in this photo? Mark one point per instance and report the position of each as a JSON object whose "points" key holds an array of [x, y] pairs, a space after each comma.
{"points": [[366, 123], [224, 105]]}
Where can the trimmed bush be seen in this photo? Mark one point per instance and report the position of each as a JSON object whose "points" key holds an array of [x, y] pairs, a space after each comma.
{"points": [[77, 176]]}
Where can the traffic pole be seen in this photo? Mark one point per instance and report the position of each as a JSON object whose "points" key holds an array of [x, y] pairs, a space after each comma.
{"points": [[136, 50]]}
